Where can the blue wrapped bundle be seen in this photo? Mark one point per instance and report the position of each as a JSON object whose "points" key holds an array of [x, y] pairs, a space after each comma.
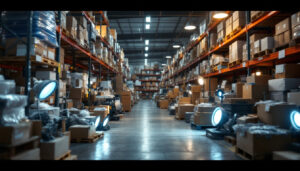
{"points": [[43, 25]]}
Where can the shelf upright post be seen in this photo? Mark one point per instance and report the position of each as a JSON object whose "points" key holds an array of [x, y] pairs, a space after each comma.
{"points": [[57, 57], [90, 66], [28, 62], [248, 41], [210, 99]]}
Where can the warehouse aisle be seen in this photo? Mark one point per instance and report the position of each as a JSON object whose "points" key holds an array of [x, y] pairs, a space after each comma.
{"points": [[149, 133]]}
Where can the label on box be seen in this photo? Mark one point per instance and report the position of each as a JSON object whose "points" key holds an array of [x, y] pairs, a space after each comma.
{"points": [[38, 58], [244, 64], [281, 54], [279, 68]]}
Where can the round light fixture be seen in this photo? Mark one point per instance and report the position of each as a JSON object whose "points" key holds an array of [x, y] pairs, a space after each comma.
{"points": [[44, 89], [200, 81], [220, 15], [295, 119], [219, 117], [190, 27], [176, 46]]}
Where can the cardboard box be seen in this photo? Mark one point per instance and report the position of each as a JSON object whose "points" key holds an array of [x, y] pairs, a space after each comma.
{"points": [[102, 114], [293, 97], [213, 39], [213, 84], [54, 149], [259, 146], [45, 75], [51, 53], [33, 154], [295, 19], [238, 15], [182, 108], [203, 118], [256, 92], [257, 36], [12, 48], [238, 23], [236, 51], [266, 43], [280, 96], [81, 20], [72, 26], [196, 88], [82, 131], [126, 101], [282, 26], [176, 91], [282, 39], [16, 134], [259, 80], [104, 30], [203, 100], [287, 71], [36, 128], [228, 24], [283, 84], [76, 93], [113, 32], [185, 100], [247, 119], [195, 97], [285, 155], [164, 104], [221, 26], [238, 89], [275, 114], [69, 103]]}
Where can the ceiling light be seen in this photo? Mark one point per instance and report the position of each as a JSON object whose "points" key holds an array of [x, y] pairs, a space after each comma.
{"points": [[146, 48], [146, 54], [146, 42], [168, 57], [189, 26], [148, 19], [220, 15], [163, 64], [176, 46], [147, 26], [146, 60]]}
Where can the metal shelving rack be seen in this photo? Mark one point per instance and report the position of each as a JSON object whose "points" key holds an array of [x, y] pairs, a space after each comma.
{"points": [[142, 88], [68, 43], [286, 55]]}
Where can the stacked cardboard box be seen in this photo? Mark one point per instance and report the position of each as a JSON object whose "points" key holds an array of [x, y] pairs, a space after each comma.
{"points": [[72, 26], [164, 103], [126, 100], [196, 91], [256, 87], [213, 85], [213, 40], [236, 51], [228, 29], [76, 94], [280, 87], [202, 115], [238, 20], [282, 33], [220, 31], [182, 108], [54, 149], [295, 25]]}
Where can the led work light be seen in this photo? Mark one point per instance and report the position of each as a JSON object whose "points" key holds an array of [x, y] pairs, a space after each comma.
{"points": [[295, 119], [44, 89], [219, 117]]}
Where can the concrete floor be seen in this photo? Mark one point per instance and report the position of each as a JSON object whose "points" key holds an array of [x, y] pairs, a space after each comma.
{"points": [[150, 133]]}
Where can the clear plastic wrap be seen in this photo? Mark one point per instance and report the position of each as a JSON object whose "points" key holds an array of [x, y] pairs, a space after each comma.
{"points": [[12, 109], [259, 129], [106, 84], [43, 25], [7, 87], [84, 113]]}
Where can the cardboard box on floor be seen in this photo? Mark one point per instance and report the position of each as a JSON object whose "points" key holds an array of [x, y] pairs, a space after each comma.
{"points": [[164, 103], [54, 149], [126, 100], [202, 118], [259, 146], [15, 134], [182, 108], [275, 114], [82, 131]]}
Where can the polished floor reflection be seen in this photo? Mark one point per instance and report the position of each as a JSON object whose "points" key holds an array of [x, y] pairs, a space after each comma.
{"points": [[149, 133]]}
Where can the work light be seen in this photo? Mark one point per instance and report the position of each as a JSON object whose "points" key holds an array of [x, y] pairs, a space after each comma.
{"points": [[295, 119], [219, 117], [105, 121], [220, 93], [44, 89]]}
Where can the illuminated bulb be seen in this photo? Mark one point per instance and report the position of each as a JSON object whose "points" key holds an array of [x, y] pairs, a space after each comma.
{"points": [[176, 46], [295, 119], [258, 73], [216, 118], [47, 90], [190, 27], [105, 121], [200, 81], [220, 15]]}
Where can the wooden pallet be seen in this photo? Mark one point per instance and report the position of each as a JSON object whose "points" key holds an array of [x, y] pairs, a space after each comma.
{"points": [[93, 139], [64, 156], [246, 156], [234, 63], [35, 59], [262, 53], [230, 139], [8, 151]]}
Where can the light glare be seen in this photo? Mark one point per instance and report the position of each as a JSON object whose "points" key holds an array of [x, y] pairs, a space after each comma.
{"points": [[47, 90], [220, 15]]}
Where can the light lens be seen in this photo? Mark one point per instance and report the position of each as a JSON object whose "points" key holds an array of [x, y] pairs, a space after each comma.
{"points": [[47, 90], [220, 93], [295, 119], [220, 15], [190, 27], [176, 46], [216, 116], [97, 122], [105, 121]]}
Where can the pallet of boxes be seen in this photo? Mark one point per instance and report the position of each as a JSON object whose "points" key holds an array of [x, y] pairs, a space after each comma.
{"points": [[184, 105], [201, 117]]}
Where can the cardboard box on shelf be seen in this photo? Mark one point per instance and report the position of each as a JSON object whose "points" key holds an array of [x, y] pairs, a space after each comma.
{"points": [[103, 32], [256, 46], [221, 26], [182, 108], [287, 71], [236, 51], [295, 19], [283, 84], [293, 97], [213, 84], [267, 43], [12, 48], [255, 91], [51, 53], [282, 39], [15, 134], [238, 23], [283, 26], [275, 114], [259, 80], [45, 75], [257, 36], [184, 100], [164, 104], [76, 93], [238, 89], [72, 25], [54, 149], [259, 146], [228, 24], [69, 103]]}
